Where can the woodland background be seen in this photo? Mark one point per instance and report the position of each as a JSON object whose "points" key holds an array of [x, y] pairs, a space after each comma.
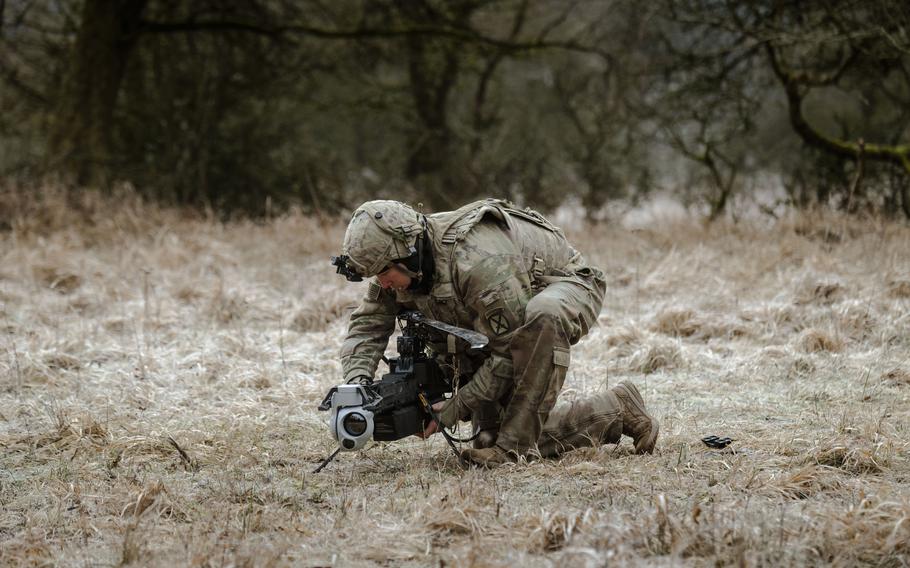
{"points": [[174, 176], [252, 105]]}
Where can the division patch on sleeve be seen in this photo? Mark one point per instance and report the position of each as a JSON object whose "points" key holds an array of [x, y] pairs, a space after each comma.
{"points": [[498, 322]]}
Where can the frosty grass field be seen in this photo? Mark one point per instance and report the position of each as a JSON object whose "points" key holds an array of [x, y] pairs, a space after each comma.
{"points": [[160, 372]]}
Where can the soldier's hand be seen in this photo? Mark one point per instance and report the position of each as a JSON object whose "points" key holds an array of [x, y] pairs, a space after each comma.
{"points": [[432, 427]]}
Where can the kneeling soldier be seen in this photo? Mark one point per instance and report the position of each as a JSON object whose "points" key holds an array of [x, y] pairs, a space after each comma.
{"points": [[507, 273]]}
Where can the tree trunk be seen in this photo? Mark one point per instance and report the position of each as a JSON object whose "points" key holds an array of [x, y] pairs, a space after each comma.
{"points": [[81, 140], [905, 198], [432, 69]]}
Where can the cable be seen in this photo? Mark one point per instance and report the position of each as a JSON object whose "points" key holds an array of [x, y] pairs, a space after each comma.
{"points": [[462, 440], [449, 439]]}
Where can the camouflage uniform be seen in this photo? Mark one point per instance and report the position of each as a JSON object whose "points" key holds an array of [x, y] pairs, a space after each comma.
{"points": [[511, 275]]}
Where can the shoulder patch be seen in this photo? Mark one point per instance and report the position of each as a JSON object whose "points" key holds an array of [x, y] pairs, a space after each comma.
{"points": [[373, 291], [498, 322]]}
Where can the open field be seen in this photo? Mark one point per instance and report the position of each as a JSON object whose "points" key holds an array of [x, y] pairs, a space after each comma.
{"points": [[159, 376]]}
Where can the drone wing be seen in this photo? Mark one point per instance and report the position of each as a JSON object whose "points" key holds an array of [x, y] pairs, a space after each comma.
{"points": [[476, 341]]}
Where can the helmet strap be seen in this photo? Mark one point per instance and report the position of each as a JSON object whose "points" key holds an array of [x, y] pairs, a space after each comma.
{"points": [[419, 244], [422, 274]]}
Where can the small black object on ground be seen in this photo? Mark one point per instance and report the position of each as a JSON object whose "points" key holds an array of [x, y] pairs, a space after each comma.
{"points": [[716, 442]]}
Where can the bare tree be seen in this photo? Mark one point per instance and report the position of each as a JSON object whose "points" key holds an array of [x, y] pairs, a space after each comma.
{"points": [[812, 49]]}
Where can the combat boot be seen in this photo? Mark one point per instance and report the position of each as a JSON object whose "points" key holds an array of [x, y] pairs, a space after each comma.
{"points": [[488, 457], [636, 422]]}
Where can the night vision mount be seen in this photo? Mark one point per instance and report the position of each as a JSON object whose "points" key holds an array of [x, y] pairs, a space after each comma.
{"points": [[341, 264], [400, 403]]}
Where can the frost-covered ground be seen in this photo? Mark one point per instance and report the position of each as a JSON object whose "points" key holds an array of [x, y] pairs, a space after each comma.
{"points": [[159, 376]]}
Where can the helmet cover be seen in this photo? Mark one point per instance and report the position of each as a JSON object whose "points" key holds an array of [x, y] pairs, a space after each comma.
{"points": [[380, 232]]}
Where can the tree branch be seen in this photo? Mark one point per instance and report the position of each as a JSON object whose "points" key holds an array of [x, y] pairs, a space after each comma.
{"points": [[460, 34], [894, 153], [11, 78]]}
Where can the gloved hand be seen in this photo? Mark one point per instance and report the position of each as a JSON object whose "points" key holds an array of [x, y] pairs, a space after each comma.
{"points": [[432, 427], [363, 380]]}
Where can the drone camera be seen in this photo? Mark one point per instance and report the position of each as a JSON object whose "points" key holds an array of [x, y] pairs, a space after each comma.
{"points": [[351, 424]]}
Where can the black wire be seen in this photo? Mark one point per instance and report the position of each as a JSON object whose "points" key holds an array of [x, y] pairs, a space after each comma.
{"points": [[442, 429], [451, 442], [461, 440]]}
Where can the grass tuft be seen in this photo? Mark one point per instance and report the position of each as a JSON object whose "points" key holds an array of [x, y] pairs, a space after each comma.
{"points": [[658, 354], [849, 457], [675, 322], [897, 376], [817, 340], [899, 289]]}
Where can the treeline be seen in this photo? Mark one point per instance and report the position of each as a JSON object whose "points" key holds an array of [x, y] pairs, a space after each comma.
{"points": [[239, 104]]}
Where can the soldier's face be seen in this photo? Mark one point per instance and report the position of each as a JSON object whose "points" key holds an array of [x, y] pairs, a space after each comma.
{"points": [[392, 278]]}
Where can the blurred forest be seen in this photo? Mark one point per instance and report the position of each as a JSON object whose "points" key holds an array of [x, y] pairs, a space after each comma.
{"points": [[244, 105]]}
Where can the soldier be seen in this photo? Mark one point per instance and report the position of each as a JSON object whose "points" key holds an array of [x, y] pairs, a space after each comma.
{"points": [[507, 273]]}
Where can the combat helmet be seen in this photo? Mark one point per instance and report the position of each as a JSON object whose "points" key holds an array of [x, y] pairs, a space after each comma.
{"points": [[379, 233]]}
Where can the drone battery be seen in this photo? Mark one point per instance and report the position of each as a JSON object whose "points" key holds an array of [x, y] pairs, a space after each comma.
{"points": [[397, 424]]}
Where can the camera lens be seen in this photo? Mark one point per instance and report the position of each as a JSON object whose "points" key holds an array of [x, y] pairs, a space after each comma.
{"points": [[354, 424]]}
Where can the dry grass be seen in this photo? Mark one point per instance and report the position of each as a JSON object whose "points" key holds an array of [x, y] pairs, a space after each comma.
{"points": [[159, 376], [815, 340]]}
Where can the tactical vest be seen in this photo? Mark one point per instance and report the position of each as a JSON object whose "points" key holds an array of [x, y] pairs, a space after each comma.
{"points": [[447, 229]]}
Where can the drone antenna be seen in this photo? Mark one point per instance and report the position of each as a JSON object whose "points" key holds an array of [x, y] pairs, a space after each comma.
{"points": [[326, 461]]}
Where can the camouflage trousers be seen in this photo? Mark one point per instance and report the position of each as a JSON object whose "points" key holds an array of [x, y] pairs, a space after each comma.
{"points": [[556, 318]]}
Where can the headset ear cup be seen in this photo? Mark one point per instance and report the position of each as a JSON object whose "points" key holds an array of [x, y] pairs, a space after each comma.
{"points": [[413, 264]]}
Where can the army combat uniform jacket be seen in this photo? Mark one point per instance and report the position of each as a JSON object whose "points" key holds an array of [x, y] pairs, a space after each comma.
{"points": [[491, 260]]}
